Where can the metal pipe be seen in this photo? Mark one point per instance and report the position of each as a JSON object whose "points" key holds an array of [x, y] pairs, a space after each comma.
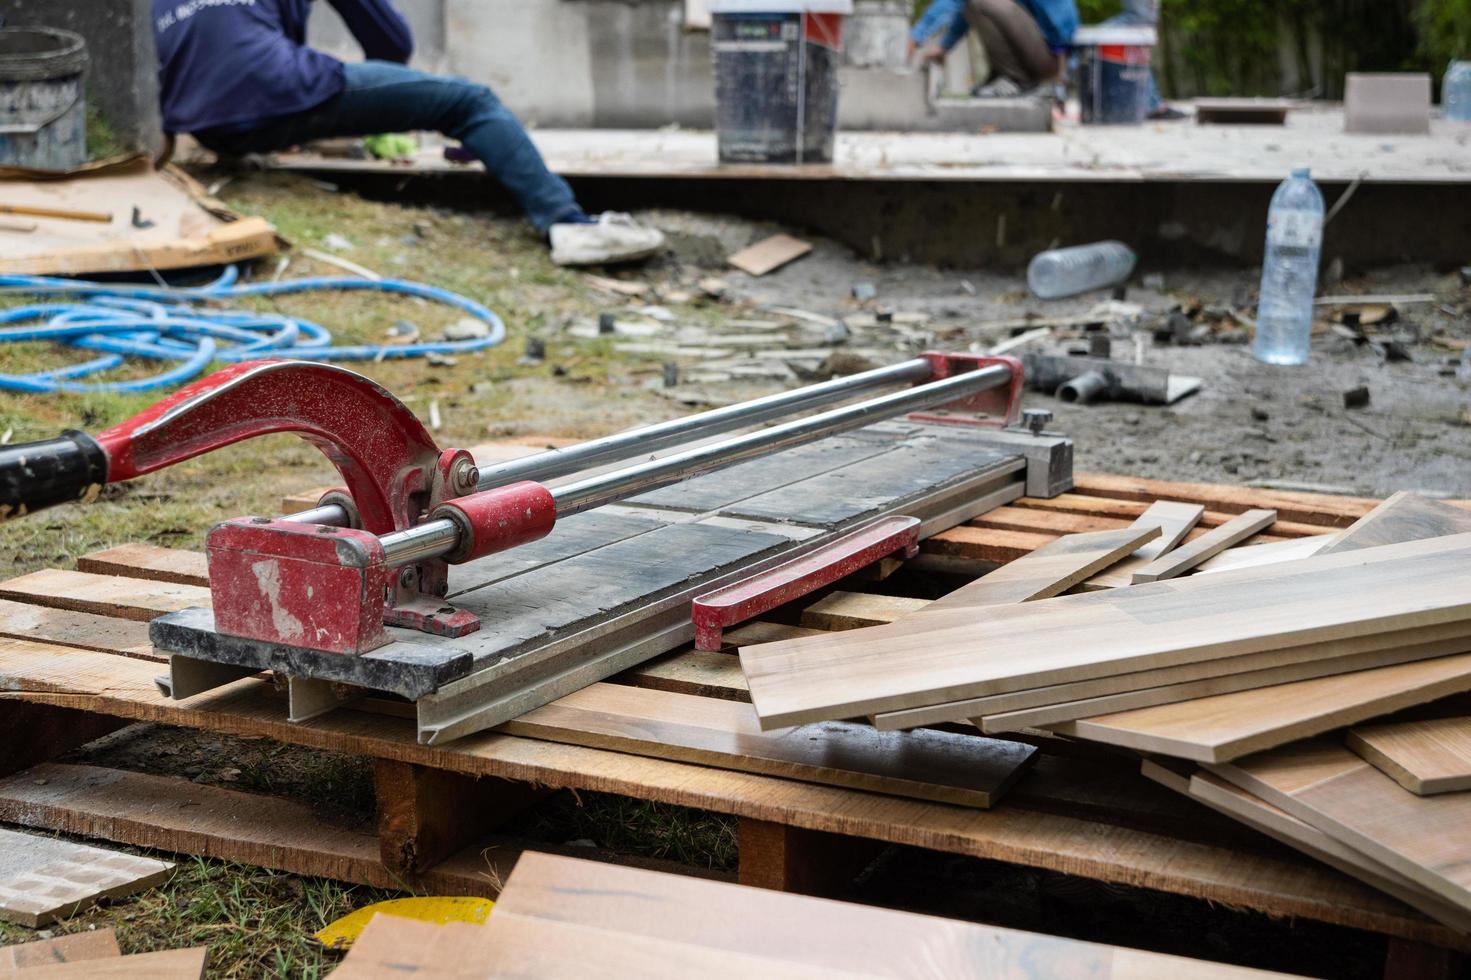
{"points": [[650, 438], [438, 537], [331, 514], [1084, 389]]}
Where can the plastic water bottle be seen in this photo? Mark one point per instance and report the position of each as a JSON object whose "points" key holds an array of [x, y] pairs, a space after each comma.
{"points": [[1070, 271], [1290, 274], [1455, 92]]}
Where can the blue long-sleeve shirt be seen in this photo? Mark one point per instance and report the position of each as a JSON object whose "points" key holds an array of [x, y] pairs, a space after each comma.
{"points": [[1057, 18], [230, 64]]}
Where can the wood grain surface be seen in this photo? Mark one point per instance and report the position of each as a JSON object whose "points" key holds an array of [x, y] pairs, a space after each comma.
{"points": [[1403, 517], [1174, 521], [1050, 570], [1424, 756], [1215, 541]]}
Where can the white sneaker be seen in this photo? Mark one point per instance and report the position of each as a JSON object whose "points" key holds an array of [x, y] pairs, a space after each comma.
{"points": [[614, 238]]}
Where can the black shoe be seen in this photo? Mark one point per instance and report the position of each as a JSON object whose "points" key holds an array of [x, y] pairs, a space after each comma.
{"points": [[1167, 114]]}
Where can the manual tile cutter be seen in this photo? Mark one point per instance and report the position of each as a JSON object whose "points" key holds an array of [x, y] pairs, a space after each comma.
{"points": [[329, 597]]}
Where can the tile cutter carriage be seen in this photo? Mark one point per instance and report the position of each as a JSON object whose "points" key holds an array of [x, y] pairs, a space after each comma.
{"points": [[355, 597]]}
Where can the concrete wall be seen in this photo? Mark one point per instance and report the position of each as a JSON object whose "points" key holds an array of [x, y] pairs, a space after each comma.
{"points": [[122, 82]]}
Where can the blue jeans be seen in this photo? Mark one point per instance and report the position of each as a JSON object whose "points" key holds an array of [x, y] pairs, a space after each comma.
{"points": [[1140, 18], [382, 97]]}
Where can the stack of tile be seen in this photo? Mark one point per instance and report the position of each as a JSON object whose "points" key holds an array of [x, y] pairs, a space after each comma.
{"points": [[1244, 669]]}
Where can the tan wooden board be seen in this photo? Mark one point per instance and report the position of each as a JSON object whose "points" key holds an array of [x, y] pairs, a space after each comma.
{"points": [[1076, 514], [43, 879], [769, 254], [1072, 638], [1254, 812], [1329, 687], [1050, 570], [1308, 508], [984, 544], [1257, 555], [1424, 756], [1174, 521], [104, 595], [1191, 554], [148, 561], [1229, 726], [927, 765], [173, 964], [1386, 644], [808, 934], [1322, 783], [24, 621], [51, 675], [711, 675], [94, 944], [1403, 517], [854, 610]]}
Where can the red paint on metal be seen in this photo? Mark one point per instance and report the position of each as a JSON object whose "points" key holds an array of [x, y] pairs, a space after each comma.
{"points": [[716, 611], [996, 407], [823, 29], [499, 519], [385, 455], [302, 585]]}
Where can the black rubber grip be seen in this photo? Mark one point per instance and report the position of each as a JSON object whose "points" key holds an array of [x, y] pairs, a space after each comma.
{"points": [[37, 475]]}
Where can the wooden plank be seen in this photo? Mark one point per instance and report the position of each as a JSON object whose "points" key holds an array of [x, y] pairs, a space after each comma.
{"points": [[180, 816], [1188, 556], [1236, 803], [426, 815], [1178, 700], [982, 544], [89, 631], [697, 672], [924, 764], [173, 964], [95, 944], [1257, 555], [43, 879], [1050, 570], [150, 562], [103, 595], [1174, 522], [784, 858], [1403, 517], [1126, 511], [769, 254], [1320, 782], [1072, 638], [1424, 756], [1022, 516], [113, 685], [1370, 651], [854, 610], [1229, 726], [33, 733], [799, 933], [1305, 508], [764, 632]]}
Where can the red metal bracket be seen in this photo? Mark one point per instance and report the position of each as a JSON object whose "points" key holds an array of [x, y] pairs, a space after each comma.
{"points": [[716, 611], [998, 407]]}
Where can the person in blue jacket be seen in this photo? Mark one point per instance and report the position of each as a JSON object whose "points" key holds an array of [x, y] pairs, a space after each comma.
{"points": [[1025, 40], [238, 75]]}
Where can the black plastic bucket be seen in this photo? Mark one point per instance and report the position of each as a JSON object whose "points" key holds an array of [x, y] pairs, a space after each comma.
{"points": [[1113, 73], [43, 116], [776, 78]]}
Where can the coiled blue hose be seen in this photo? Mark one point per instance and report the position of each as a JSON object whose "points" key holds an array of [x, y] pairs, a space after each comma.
{"points": [[166, 324]]}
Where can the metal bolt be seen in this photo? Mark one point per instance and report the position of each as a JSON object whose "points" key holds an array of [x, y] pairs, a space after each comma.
{"points": [[409, 577], [464, 476], [1036, 420]]}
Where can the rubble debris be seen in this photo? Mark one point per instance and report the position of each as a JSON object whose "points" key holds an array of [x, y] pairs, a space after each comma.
{"points": [[467, 329], [769, 254], [1356, 397], [864, 291], [607, 323]]}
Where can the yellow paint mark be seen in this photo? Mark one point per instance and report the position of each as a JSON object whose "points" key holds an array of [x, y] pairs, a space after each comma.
{"points": [[345, 931]]}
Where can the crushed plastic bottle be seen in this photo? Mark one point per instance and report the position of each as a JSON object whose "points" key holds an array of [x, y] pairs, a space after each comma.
{"points": [[1455, 92], [1069, 271], [1284, 321]]}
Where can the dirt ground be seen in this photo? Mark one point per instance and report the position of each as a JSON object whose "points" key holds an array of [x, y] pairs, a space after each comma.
{"points": [[1248, 423]]}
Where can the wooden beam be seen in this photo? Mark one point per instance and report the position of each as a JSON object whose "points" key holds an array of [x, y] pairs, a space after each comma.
{"points": [[806, 862], [427, 815], [33, 733]]}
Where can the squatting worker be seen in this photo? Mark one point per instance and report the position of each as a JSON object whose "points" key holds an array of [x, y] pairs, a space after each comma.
{"points": [[239, 77], [1025, 40]]}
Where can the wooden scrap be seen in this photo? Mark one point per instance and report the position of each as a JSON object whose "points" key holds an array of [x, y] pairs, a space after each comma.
{"points": [[1212, 543], [1323, 784], [1257, 555], [148, 561], [103, 595], [44, 879], [1403, 517], [1426, 757], [65, 214], [769, 254], [927, 765], [94, 944], [1070, 638], [173, 964], [1229, 726], [854, 610], [1174, 521], [1050, 570]]}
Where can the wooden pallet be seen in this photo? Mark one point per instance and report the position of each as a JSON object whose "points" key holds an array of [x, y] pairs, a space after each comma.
{"points": [[77, 665]]}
